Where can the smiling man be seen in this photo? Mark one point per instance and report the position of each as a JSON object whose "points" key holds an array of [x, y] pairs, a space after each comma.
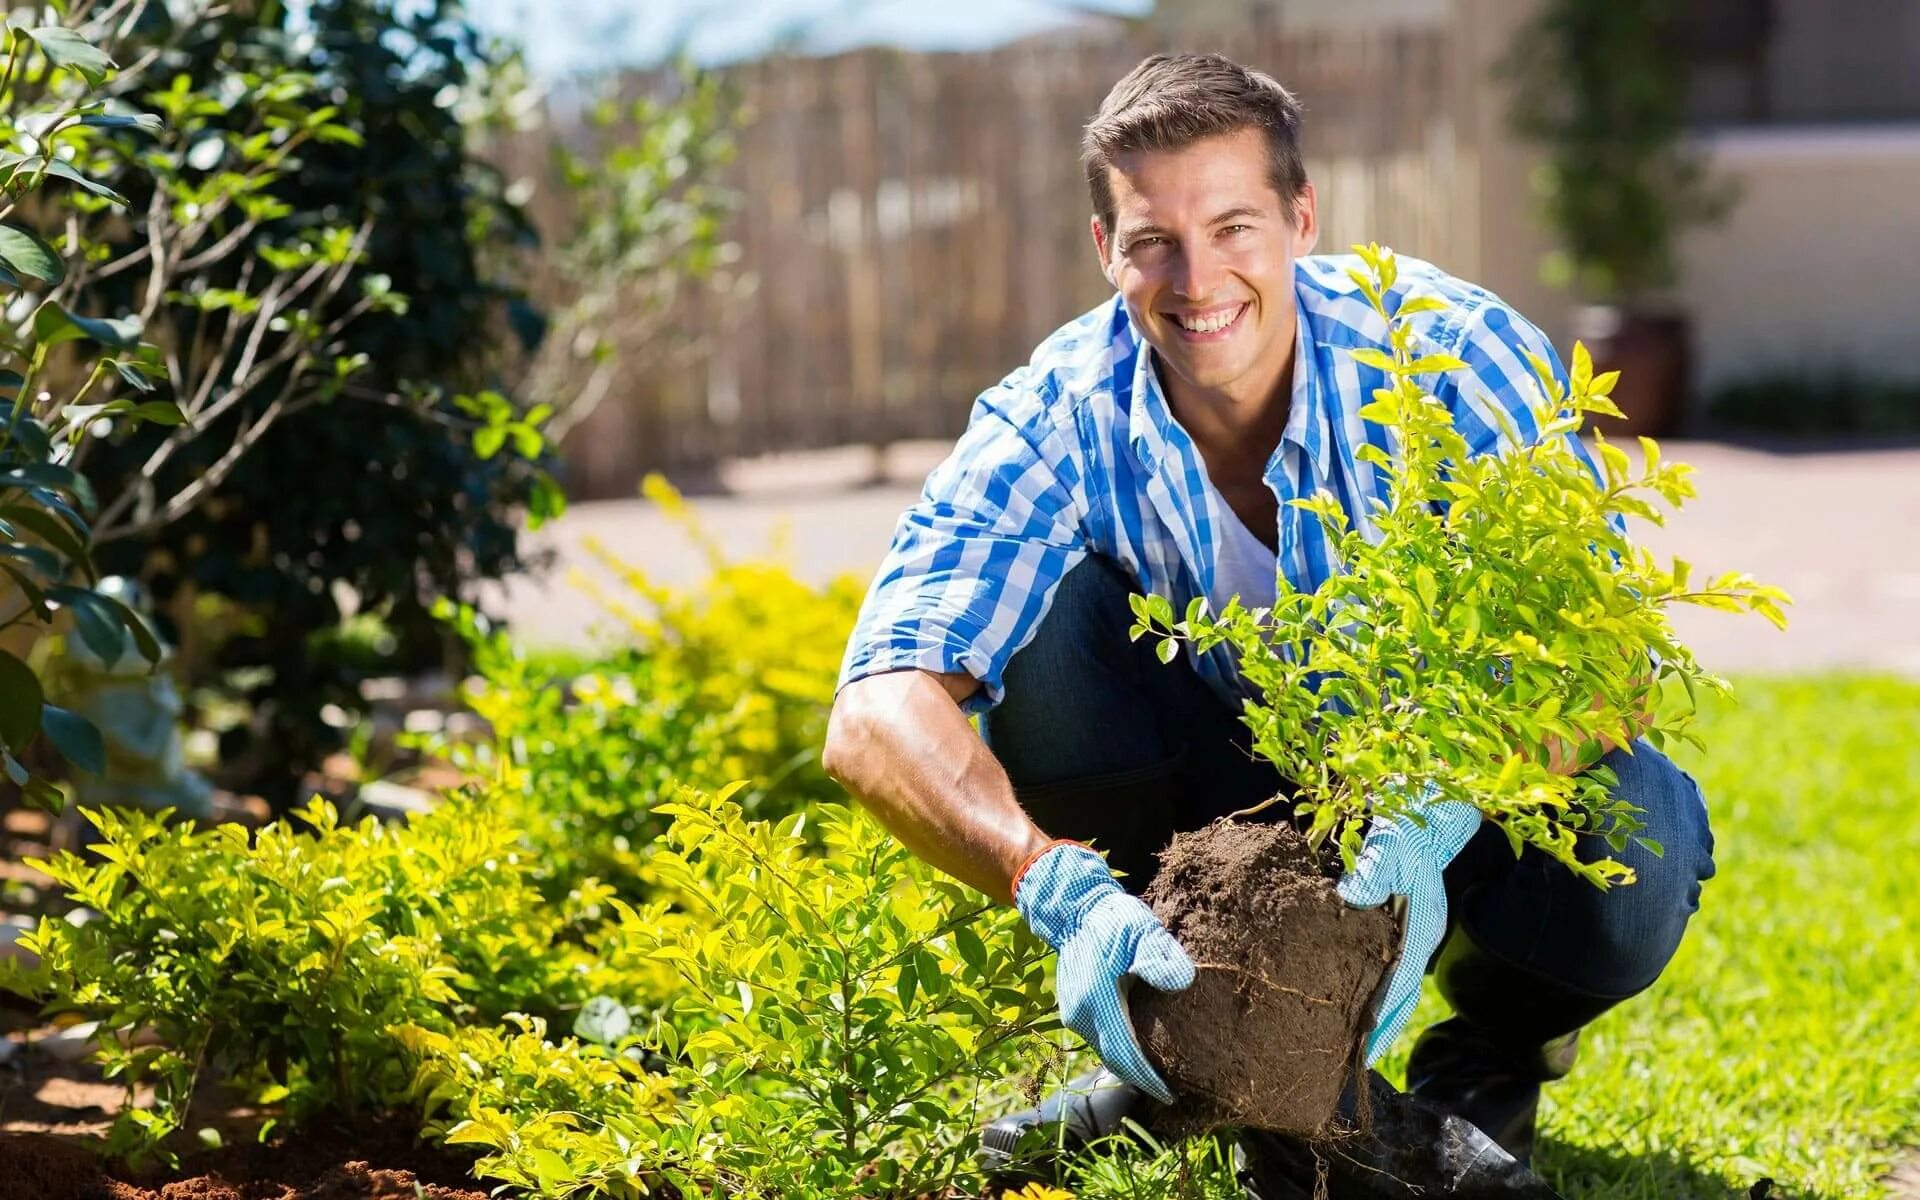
{"points": [[1153, 445]]}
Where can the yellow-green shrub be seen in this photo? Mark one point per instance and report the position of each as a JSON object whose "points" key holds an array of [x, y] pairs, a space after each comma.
{"points": [[284, 959], [837, 1006], [1498, 609], [728, 680]]}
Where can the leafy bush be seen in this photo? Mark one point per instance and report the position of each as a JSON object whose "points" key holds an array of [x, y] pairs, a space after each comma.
{"points": [[1603, 84], [65, 376], [727, 681], [328, 292], [1499, 610], [834, 1012], [283, 963]]}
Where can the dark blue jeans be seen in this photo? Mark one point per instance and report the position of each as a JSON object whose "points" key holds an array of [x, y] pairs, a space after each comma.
{"points": [[1107, 745]]}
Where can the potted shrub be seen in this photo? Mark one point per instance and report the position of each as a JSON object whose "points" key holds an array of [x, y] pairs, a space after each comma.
{"points": [[1603, 83]]}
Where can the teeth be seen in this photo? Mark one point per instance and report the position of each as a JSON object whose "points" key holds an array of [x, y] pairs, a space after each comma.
{"points": [[1211, 324]]}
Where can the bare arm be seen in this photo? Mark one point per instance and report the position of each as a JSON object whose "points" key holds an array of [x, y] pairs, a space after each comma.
{"points": [[899, 742]]}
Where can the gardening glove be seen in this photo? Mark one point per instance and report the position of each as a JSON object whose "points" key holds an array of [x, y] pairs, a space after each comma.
{"points": [[1105, 939], [1405, 856]]}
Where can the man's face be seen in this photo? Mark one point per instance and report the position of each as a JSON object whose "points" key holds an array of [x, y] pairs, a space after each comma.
{"points": [[1202, 252]]}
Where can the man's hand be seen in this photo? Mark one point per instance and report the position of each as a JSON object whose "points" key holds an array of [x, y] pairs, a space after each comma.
{"points": [[1105, 938], [1406, 857]]}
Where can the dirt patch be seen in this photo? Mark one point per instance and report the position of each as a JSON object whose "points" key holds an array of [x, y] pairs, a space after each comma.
{"points": [[1268, 1034], [379, 1163]]}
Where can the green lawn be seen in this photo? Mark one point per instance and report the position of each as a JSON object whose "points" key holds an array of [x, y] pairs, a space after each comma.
{"points": [[1784, 1041]]}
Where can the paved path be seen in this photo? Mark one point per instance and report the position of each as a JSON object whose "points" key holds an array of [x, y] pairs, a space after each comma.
{"points": [[1839, 530]]}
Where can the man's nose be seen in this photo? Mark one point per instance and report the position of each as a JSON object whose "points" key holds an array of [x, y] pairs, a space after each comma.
{"points": [[1200, 273]]}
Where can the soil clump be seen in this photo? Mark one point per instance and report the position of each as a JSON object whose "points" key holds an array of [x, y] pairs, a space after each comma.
{"points": [[1285, 972]]}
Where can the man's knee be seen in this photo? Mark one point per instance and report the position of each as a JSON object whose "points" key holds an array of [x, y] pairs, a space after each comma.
{"points": [[1626, 935]]}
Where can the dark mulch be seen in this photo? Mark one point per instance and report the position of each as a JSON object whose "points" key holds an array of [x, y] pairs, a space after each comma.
{"points": [[380, 1162]]}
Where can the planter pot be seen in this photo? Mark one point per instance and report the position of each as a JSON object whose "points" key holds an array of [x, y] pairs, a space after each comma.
{"points": [[1653, 353]]}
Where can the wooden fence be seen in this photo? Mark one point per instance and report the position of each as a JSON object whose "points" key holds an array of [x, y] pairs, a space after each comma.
{"points": [[915, 223]]}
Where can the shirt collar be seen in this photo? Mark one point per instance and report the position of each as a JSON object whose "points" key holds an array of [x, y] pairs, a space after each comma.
{"points": [[1308, 424], [1150, 418]]}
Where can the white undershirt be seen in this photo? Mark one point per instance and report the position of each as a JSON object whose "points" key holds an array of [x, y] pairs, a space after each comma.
{"points": [[1242, 564]]}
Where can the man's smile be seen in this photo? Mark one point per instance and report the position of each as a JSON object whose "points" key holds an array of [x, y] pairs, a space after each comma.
{"points": [[1213, 325]]}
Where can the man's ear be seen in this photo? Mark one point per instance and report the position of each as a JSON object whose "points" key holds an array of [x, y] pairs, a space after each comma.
{"points": [[1100, 249], [1306, 221]]}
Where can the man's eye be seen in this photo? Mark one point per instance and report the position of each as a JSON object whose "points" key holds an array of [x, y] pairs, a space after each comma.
{"points": [[1145, 243], [1236, 228]]}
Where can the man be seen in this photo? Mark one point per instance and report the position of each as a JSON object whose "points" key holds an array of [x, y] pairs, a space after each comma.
{"points": [[1152, 445]]}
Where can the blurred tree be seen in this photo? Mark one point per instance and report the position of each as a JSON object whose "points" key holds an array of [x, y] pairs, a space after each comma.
{"points": [[334, 281], [1603, 84], [62, 371], [308, 248]]}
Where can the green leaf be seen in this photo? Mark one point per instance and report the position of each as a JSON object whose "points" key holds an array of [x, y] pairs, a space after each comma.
{"points": [[1166, 650], [66, 48], [909, 983], [488, 439], [550, 1169], [35, 596], [134, 378], [1432, 363], [20, 702], [62, 169], [972, 950], [53, 325], [160, 412], [39, 476], [24, 252], [41, 559], [44, 795], [98, 624], [52, 530], [149, 122], [527, 442], [1372, 357], [75, 737]]}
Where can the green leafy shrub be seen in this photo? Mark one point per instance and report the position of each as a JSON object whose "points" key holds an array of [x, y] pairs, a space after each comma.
{"points": [[1499, 610], [834, 1012], [730, 680], [1603, 85], [335, 279], [282, 963], [65, 375]]}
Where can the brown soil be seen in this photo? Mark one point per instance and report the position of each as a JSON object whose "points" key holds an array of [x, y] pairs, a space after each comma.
{"points": [[382, 1163], [1269, 1033]]}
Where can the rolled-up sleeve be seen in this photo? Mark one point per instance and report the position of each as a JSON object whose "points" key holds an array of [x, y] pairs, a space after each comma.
{"points": [[975, 561]]}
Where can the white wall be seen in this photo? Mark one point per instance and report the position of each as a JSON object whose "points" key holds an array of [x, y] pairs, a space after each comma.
{"points": [[1818, 265]]}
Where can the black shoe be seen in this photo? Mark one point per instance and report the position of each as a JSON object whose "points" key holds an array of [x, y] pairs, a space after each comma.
{"points": [[1512, 1031], [1028, 1146], [1455, 1066], [1413, 1150]]}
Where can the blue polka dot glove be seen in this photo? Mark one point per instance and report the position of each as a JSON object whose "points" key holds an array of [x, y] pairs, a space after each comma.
{"points": [[1105, 939], [1405, 856]]}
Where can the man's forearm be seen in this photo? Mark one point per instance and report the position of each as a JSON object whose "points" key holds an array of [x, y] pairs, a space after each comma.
{"points": [[900, 744], [1563, 758]]}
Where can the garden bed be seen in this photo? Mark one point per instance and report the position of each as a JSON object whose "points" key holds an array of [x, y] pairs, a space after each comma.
{"points": [[381, 1163]]}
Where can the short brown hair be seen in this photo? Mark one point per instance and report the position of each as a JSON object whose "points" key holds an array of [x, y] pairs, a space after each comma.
{"points": [[1173, 100]]}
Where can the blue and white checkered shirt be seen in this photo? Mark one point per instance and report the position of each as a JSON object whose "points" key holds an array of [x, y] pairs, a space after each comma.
{"points": [[1078, 452]]}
